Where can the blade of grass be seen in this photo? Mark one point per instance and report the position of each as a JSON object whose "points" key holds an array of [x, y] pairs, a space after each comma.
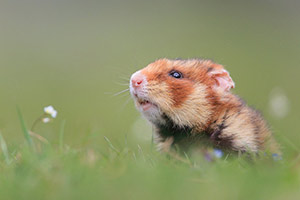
{"points": [[290, 143], [134, 156], [111, 145], [4, 149], [141, 152], [61, 135], [25, 130], [39, 137]]}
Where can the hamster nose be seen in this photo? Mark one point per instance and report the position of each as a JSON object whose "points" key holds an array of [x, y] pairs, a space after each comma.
{"points": [[137, 80]]}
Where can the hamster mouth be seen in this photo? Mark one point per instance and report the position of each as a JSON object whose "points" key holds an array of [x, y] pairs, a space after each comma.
{"points": [[145, 104]]}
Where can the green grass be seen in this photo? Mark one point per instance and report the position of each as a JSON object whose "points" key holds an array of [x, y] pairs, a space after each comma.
{"points": [[76, 55], [58, 171]]}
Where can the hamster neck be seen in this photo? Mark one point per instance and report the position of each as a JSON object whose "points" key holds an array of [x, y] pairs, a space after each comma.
{"points": [[178, 133], [170, 129]]}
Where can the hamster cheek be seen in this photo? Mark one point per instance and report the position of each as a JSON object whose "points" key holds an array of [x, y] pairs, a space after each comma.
{"points": [[180, 91], [159, 93], [194, 110]]}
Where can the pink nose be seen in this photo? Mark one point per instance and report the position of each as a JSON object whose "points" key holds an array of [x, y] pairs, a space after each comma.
{"points": [[137, 80]]}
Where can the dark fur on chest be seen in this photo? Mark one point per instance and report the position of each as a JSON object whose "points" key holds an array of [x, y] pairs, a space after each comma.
{"points": [[170, 129], [184, 137]]}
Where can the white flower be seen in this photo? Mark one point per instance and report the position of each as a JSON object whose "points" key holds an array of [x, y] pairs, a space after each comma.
{"points": [[51, 111], [46, 120]]}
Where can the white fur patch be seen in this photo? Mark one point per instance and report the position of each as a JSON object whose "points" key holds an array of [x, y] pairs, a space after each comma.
{"points": [[154, 113]]}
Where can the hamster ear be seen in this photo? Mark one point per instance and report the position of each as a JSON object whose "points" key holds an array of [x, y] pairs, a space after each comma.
{"points": [[222, 79]]}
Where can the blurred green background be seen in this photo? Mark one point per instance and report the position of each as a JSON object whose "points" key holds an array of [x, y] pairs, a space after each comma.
{"points": [[75, 55]]}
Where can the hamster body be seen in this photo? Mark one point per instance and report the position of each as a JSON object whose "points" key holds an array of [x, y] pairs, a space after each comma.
{"points": [[190, 104]]}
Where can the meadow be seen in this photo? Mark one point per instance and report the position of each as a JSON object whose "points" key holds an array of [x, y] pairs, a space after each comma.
{"points": [[78, 55]]}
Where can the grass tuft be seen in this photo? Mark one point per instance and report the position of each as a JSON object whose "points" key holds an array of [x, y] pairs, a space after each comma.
{"points": [[111, 145], [25, 130], [4, 150], [61, 135]]}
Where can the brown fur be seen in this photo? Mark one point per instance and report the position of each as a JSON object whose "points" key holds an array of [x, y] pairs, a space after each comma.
{"points": [[195, 108]]}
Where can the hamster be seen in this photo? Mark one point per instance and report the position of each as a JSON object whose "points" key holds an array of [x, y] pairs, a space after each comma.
{"points": [[189, 102]]}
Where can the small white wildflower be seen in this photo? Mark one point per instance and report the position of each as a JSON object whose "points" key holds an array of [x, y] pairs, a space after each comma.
{"points": [[46, 120], [54, 113], [51, 111]]}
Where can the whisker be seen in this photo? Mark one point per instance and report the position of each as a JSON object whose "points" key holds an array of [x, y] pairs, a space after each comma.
{"points": [[124, 95], [125, 104], [121, 92], [125, 84], [121, 82], [125, 78]]}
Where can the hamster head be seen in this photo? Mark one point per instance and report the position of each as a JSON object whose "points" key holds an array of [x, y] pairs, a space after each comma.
{"points": [[183, 91]]}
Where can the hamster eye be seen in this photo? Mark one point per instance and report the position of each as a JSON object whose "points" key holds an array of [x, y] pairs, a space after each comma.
{"points": [[176, 74]]}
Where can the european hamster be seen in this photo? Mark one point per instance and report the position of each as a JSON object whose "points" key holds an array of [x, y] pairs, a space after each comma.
{"points": [[189, 103]]}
